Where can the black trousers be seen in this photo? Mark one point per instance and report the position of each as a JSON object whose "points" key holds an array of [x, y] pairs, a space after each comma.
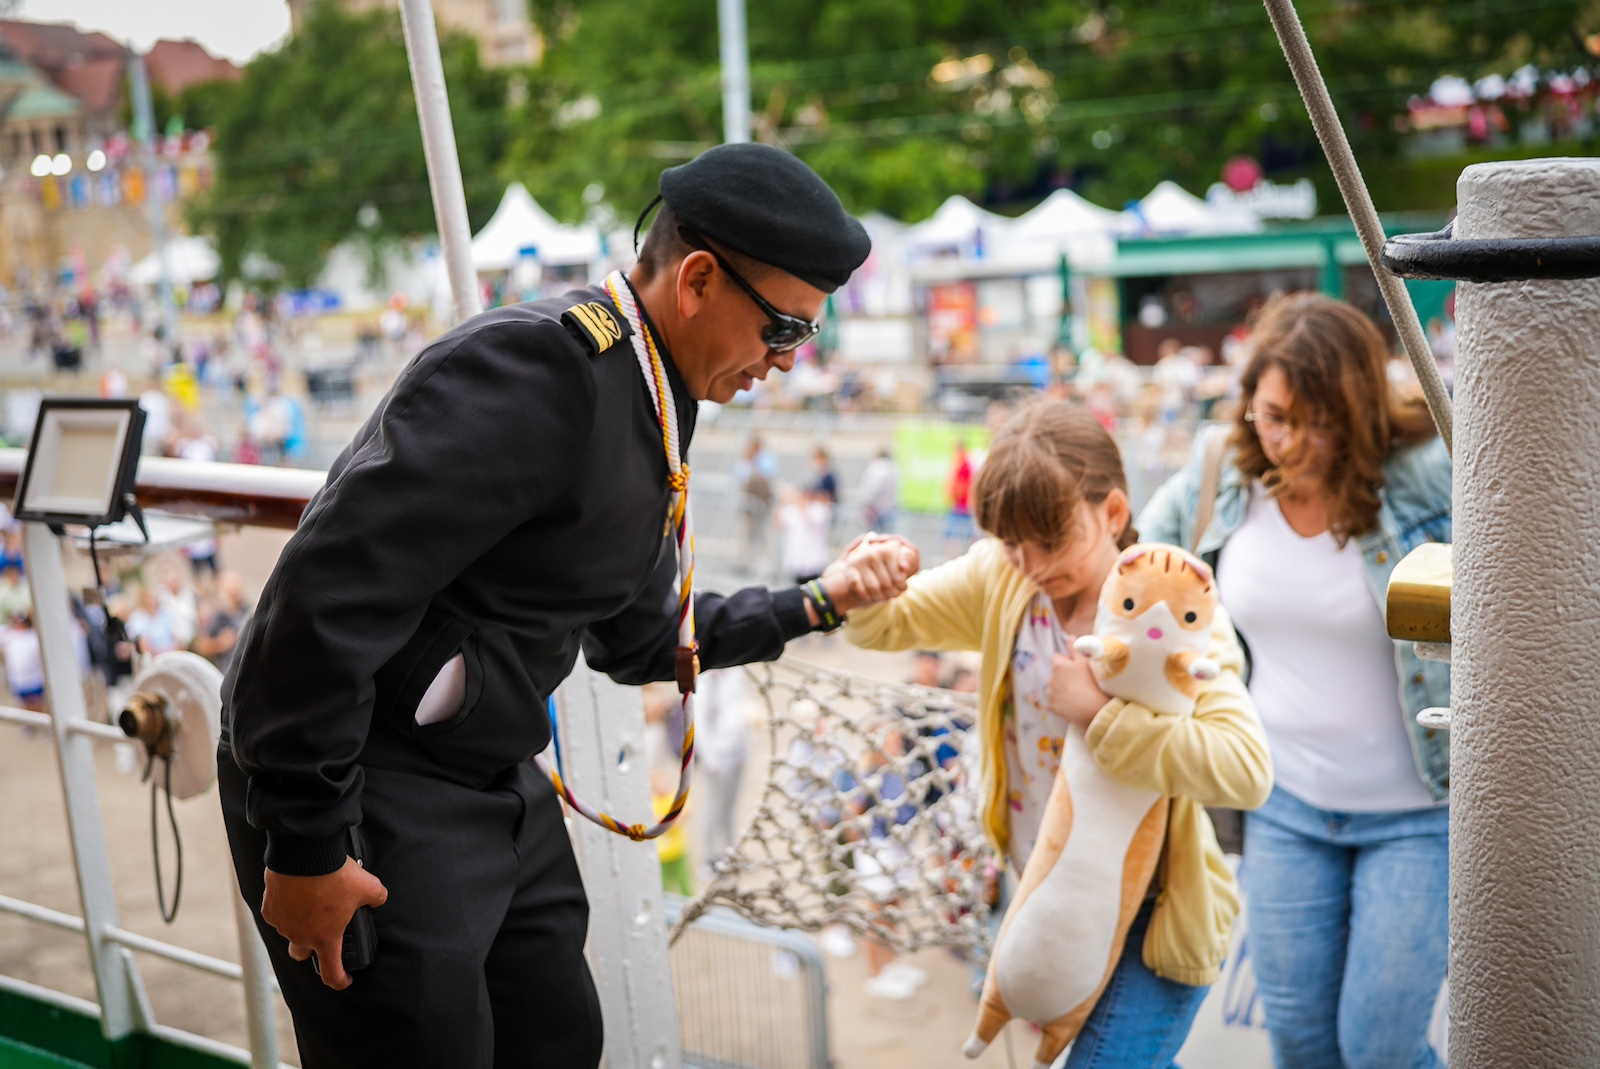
{"points": [[480, 945]]}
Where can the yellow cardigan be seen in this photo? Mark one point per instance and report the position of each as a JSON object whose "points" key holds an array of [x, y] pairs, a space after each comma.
{"points": [[1216, 757]]}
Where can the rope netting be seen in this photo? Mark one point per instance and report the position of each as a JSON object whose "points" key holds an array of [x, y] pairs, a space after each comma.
{"points": [[868, 817]]}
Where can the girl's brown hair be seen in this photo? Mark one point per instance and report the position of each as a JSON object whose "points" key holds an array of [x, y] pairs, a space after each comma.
{"points": [[1049, 457], [1336, 363]]}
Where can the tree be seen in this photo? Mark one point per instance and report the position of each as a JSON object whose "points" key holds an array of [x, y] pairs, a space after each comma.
{"points": [[197, 107], [899, 103], [319, 143]]}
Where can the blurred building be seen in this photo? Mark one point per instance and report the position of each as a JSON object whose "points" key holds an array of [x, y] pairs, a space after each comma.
{"points": [[504, 32], [60, 88], [73, 187], [174, 66]]}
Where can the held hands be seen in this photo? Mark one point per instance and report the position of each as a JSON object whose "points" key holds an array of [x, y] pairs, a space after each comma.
{"points": [[312, 912], [872, 568], [1074, 694]]}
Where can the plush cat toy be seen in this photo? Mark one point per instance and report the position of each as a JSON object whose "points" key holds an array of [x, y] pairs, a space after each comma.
{"points": [[1100, 839]]}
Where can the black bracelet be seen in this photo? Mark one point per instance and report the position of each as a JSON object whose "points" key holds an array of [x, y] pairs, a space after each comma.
{"points": [[827, 611]]}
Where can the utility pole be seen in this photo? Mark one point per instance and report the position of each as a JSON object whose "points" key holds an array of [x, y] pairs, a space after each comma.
{"points": [[735, 72], [155, 203], [439, 149]]}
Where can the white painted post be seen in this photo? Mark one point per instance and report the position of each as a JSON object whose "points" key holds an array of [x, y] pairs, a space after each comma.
{"points": [[735, 48], [439, 146], [1525, 629], [115, 976], [260, 1012], [603, 749]]}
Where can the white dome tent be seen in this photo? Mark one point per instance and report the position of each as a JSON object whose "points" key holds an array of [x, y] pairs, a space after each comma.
{"points": [[1065, 214], [959, 226], [1171, 209], [189, 260], [1064, 223], [521, 229]]}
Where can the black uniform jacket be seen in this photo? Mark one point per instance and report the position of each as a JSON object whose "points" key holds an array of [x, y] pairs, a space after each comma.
{"points": [[507, 500]]}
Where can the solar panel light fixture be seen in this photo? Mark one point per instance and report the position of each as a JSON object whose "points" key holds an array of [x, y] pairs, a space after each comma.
{"points": [[82, 463]]}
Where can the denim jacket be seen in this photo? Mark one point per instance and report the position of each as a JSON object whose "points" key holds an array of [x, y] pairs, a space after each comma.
{"points": [[1414, 508]]}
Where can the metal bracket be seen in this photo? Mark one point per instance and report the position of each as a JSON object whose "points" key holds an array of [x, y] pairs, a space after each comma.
{"points": [[1436, 718], [1432, 651], [1444, 256]]}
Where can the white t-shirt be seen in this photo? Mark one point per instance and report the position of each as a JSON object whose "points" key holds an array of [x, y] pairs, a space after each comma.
{"points": [[24, 663], [721, 720], [1322, 665], [804, 526]]}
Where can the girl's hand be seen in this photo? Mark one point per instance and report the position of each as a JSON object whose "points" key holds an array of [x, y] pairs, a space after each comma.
{"points": [[1074, 694], [871, 569]]}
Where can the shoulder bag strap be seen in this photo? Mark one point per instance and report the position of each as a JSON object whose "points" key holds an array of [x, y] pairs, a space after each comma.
{"points": [[1210, 480]]}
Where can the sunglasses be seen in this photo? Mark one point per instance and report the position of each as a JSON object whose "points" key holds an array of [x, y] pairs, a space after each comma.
{"points": [[785, 333]]}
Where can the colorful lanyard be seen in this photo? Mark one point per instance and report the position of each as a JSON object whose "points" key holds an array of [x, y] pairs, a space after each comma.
{"points": [[687, 662]]}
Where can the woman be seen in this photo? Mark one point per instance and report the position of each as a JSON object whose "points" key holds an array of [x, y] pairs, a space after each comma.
{"points": [[1053, 497], [1330, 477]]}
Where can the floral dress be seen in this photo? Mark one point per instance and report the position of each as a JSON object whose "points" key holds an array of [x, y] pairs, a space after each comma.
{"points": [[1033, 734]]}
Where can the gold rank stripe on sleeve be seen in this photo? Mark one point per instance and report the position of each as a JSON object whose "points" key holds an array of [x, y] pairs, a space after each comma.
{"points": [[598, 322]]}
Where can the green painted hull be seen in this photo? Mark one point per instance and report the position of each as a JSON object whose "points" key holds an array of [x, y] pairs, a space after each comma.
{"points": [[35, 1034]]}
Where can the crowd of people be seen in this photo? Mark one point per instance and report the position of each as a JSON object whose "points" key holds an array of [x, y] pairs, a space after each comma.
{"points": [[173, 600]]}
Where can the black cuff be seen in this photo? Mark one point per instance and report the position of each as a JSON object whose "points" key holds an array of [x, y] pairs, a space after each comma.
{"points": [[290, 855], [789, 606]]}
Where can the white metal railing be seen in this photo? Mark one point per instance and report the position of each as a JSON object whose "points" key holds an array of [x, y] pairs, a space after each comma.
{"points": [[272, 497], [123, 1004]]}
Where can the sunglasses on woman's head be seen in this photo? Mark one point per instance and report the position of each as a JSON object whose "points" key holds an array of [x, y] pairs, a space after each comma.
{"points": [[786, 332]]}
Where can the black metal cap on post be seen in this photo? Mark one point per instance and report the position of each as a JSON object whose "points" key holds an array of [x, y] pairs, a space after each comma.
{"points": [[1444, 256]]}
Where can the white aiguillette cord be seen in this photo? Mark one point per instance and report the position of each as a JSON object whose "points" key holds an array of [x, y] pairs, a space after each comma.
{"points": [[688, 663]]}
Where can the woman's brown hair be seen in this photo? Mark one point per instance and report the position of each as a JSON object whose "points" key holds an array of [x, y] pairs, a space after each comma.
{"points": [[1336, 363], [1050, 456]]}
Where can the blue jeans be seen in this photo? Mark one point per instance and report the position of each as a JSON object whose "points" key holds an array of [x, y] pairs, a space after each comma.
{"points": [[1348, 926], [1141, 1020]]}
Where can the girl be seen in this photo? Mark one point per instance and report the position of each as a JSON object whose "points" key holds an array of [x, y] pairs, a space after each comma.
{"points": [[1053, 498], [1327, 479]]}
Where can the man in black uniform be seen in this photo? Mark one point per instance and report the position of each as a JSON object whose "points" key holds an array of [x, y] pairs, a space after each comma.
{"points": [[504, 507]]}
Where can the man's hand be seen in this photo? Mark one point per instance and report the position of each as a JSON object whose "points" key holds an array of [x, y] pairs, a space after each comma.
{"points": [[1074, 694], [312, 912], [872, 568]]}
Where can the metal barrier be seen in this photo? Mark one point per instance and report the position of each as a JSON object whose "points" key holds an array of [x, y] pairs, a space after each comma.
{"points": [[124, 1006], [748, 997], [268, 497]]}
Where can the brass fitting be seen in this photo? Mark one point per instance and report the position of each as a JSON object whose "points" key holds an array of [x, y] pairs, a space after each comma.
{"points": [[1418, 607], [145, 719]]}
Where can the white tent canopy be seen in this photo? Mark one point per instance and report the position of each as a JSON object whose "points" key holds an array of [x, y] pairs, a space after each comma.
{"points": [[1065, 214], [958, 224], [519, 227], [1066, 224], [1171, 209], [189, 260]]}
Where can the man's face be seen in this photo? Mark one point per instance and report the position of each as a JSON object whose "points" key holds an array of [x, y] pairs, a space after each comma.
{"points": [[721, 351]]}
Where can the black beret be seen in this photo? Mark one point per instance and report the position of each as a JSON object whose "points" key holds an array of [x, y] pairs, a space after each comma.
{"points": [[763, 202]]}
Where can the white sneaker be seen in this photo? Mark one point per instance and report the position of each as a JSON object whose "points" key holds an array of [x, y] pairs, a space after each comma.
{"points": [[891, 986], [908, 972], [836, 942]]}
